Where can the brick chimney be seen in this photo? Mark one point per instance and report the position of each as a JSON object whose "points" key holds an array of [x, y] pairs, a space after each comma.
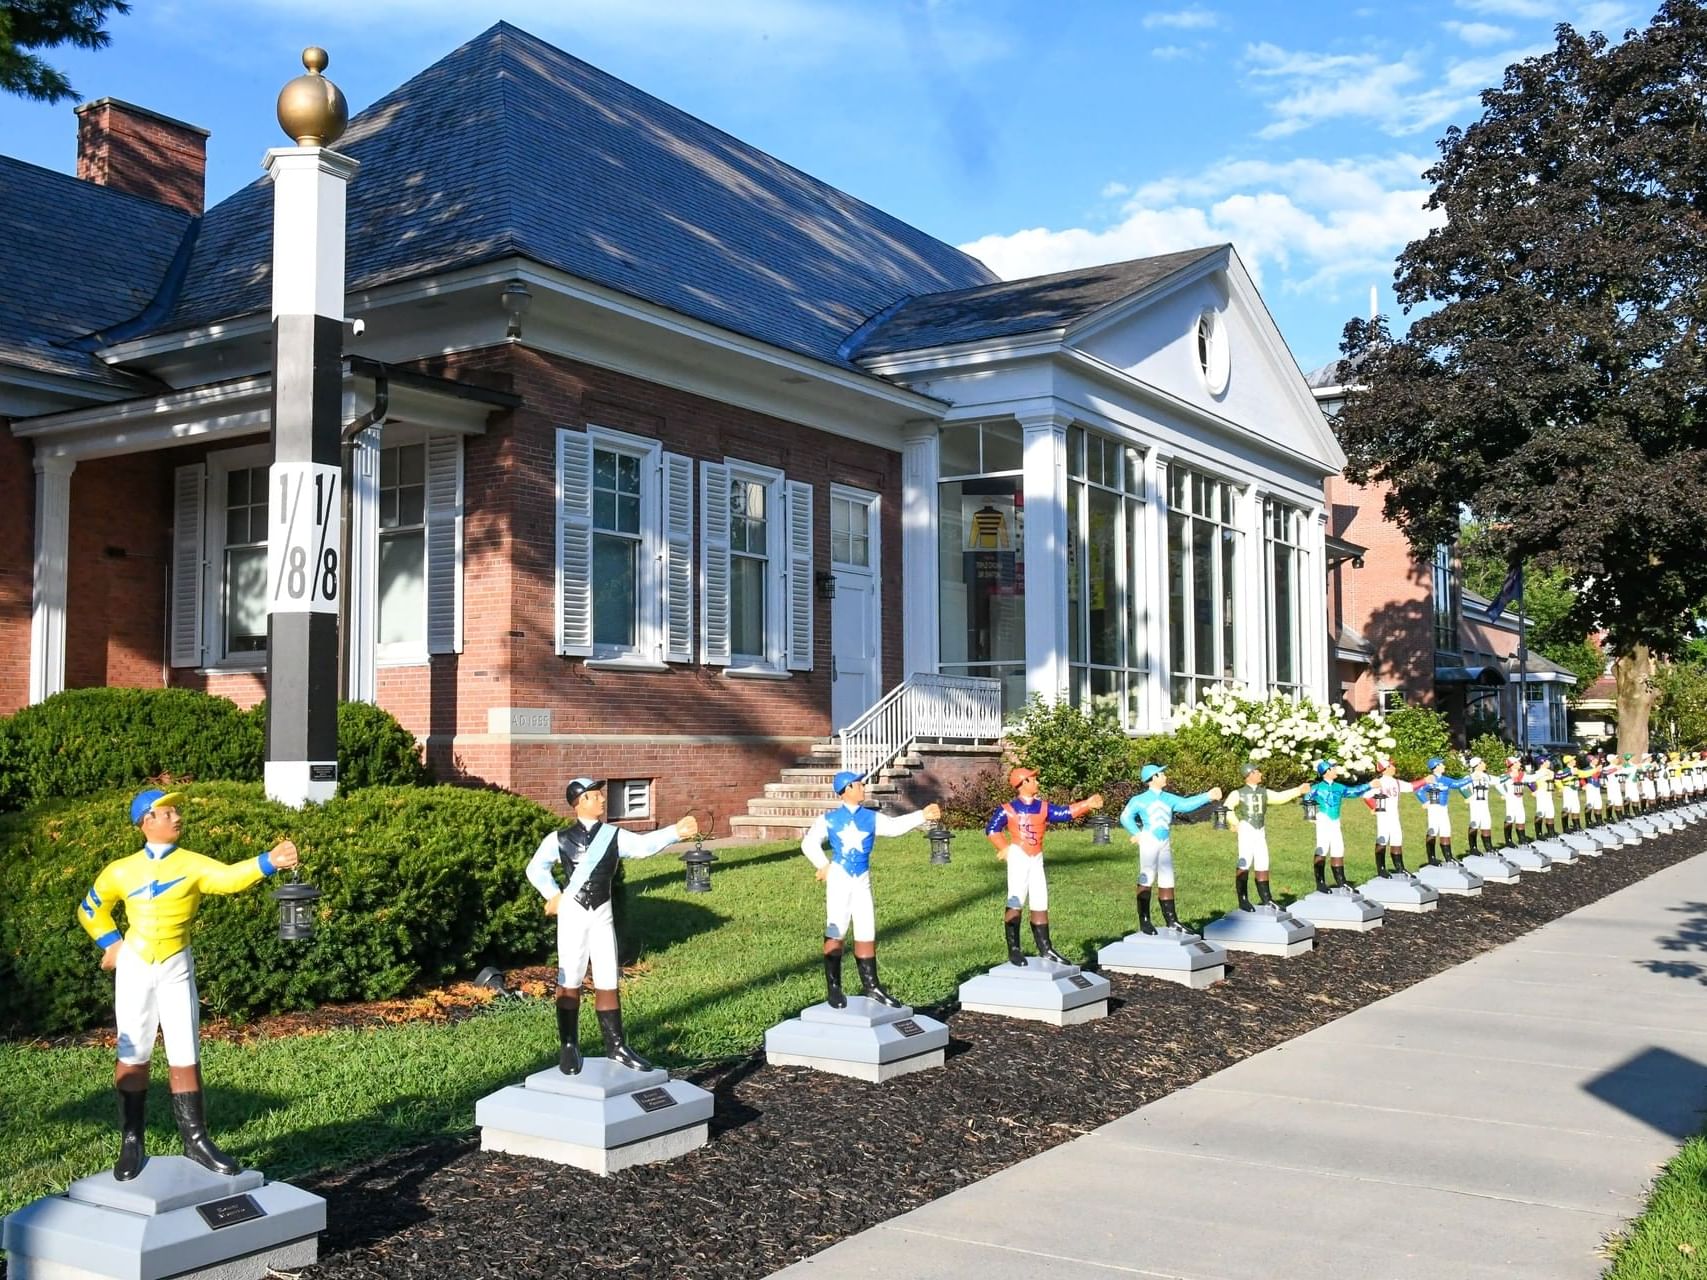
{"points": [[142, 152]]}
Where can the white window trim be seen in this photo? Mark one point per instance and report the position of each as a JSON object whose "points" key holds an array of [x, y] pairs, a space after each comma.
{"points": [[403, 653], [219, 466], [1238, 492], [773, 663], [646, 654]]}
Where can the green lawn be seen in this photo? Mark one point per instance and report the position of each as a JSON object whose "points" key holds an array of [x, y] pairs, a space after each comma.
{"points": [[1669, 1240], [719, 969]]}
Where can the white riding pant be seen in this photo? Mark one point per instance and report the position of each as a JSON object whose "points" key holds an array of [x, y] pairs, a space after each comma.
{"points": [[585, 939], [1514, 813], [1026, 882], [158, 997], [847, 901], [1330, 840], [1389, 831], [1481, 817], [1253, 848], [1155, 862], [1439, 821], [1573, 801], [1544, 804]]}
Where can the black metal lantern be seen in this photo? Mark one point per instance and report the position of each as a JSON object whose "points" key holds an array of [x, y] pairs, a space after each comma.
{"points": [[1309, 808], [698, 861], [940, 837], [1218, 817], [1101, 825], [296, 909]]}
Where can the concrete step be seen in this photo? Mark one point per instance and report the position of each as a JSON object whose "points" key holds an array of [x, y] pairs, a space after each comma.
{"points": [[791, 808], [789, 791], [748, 827]]}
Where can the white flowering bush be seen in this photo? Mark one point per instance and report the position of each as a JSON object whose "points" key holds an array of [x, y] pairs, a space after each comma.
{"points": [[1287, 735]]}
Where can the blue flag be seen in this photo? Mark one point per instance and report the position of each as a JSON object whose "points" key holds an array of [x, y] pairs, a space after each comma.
{"points": [[1512, 589]]}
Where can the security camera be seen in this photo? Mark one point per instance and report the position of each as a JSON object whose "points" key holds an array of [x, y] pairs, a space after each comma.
{"points": [[358, 327]]}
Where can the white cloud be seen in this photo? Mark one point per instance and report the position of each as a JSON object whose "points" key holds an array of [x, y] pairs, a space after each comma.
{"points": [[1313, 226], [1170, 52], [1512, 8], [1193, 18], [1479, 32]]}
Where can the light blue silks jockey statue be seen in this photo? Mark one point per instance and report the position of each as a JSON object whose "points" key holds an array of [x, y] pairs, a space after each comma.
{"points": [[1432, 793], [1157, 808], [1328, 795]]}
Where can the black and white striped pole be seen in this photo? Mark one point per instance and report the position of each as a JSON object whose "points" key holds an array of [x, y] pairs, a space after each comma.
{"points": [[305, 507]]}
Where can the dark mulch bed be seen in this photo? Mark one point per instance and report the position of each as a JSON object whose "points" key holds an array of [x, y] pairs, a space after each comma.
{"points": [[799, 1160]]}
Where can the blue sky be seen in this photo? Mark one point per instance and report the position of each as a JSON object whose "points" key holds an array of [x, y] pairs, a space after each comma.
{"points": [[1039, 134]]}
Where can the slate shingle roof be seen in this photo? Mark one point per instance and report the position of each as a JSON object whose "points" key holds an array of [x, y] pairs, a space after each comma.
{"points": [[1014, 307], [509, 146], [75, 257]]}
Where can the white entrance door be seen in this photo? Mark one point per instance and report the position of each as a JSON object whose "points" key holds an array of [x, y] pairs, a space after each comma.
{"points": [[855, 654]]}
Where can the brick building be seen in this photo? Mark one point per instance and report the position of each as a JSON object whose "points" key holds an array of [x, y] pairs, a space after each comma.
{"points": [[667, 459]]}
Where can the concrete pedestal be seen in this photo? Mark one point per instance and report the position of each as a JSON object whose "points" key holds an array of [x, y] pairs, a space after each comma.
{"points": [[1264, 931], [1527, 857], [1039, 991], [1449, 878], [1491, 868], [1584, 844], [1172, 954], [1644, 824], [1399, 891], [173, 1219], [866, 1040], [1338, 908], [603, 1119], [1557, 850]]}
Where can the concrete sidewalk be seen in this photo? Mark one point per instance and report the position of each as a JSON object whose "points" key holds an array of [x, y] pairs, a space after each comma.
{"points": [[1499, 1119]]}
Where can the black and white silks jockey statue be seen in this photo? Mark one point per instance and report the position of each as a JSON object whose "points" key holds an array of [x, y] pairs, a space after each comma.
{"points": [[587, 850], [850, 829]]}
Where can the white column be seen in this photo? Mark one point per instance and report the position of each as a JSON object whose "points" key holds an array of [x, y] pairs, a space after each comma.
{"points": [[1045, 479], [362, 581], [1254, 627], [1156, 701], [1313, 605], [47, 605], [921, 603]]}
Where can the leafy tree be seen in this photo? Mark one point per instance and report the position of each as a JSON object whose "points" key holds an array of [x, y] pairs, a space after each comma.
{"points": [[1682, 705], [1557, 386], [45, 24]]}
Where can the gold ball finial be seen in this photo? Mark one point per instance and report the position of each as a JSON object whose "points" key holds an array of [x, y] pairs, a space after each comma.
{"points": [[312, 110]]}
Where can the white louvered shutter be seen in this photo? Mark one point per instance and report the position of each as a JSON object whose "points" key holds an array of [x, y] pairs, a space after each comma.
{"points": [[444, 544], [574, 543], [188, 495], [714, 564], [678, 558], [799, 576]]}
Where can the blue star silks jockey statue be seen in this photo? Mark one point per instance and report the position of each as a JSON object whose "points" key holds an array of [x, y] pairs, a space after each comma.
{"points": [[587, 850], [1432, 793], [1016, 829], [1328, 794], [1156, 808], [850, 829], [154, 976]]}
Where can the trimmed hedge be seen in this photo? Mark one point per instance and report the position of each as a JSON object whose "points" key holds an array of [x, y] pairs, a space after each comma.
{"points": [[420, 884], [82, 741]]}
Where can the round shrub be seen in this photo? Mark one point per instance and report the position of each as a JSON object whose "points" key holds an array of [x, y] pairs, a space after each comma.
{"points": [[373, 749], [86, 740], [1419, 733], [420, 884]]}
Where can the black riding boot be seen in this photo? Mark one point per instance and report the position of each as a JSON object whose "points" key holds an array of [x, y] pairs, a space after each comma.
{"points": [[1339, 876], [1321, 875], [833, 980], [616, 1048], [867, 966], [1399, 863], [1381, 861], [569, 1035], [1169, 916], [1016, 953], [1243, 889], [1263, 895], [1428, 848], [1144, 925], [192, 1128], [133, 1106], [1046, 949]]}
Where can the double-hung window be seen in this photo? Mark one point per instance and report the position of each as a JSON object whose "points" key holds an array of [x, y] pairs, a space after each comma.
{"points": [[755, 569], [1283, 537], [1203, 584], [1107, 623], [243, 569], [624, 549], [403, 550]]}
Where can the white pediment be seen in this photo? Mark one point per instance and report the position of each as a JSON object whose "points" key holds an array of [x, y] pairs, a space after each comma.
{"points": [[1153, 339]]}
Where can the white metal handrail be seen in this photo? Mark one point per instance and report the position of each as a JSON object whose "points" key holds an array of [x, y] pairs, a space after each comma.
{"points": [[942, 708]]}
